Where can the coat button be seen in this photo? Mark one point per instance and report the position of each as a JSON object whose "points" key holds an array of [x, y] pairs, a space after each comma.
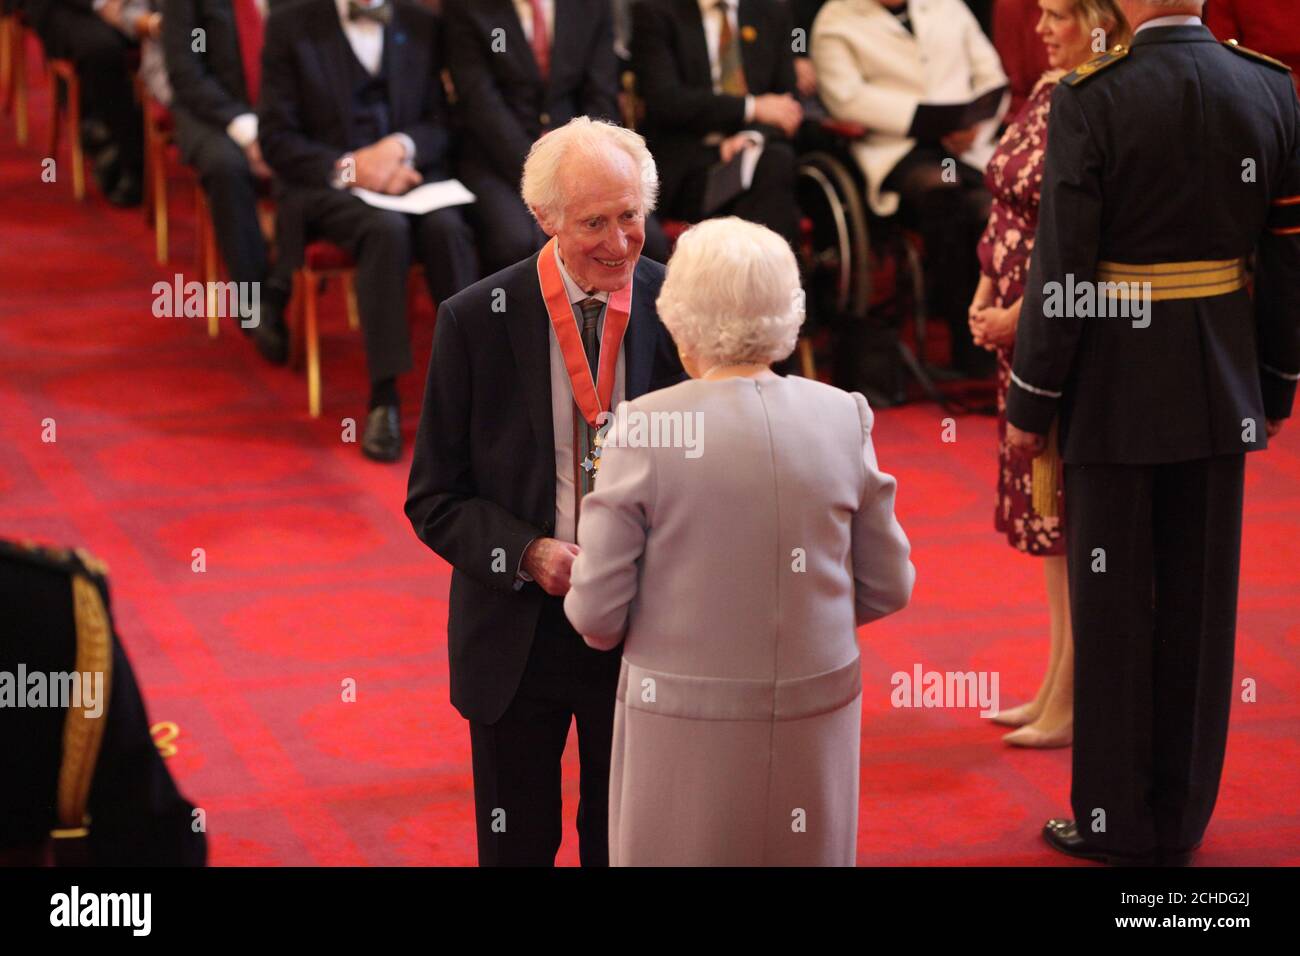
{"points": [[545, 119]]}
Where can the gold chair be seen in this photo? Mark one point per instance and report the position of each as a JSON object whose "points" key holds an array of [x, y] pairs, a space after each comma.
{"points": [[13, 72], [65, 71]]}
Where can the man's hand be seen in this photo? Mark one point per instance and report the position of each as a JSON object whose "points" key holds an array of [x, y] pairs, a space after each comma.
{"points": [[376, 163], [732, 145], [963, 139], [403, 179], [805, 76], [1272, 426], [549, 561], [780, 110], [255, 161], [1025, 443]]}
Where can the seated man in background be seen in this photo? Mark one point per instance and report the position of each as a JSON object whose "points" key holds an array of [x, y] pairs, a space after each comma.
{"points": [[877, 61], [112, 128], [1269, 26], [215, 88], [78, 761], [368, 110], [521, 68], [715, 78]]}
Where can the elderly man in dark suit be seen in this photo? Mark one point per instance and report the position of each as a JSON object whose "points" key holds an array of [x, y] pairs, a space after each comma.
{"points": [[351, 96], [715, 76], [1139, 333], [214, 90], [506, 449]]}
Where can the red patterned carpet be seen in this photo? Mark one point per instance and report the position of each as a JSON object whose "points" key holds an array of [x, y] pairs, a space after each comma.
{"points": [[168, 441]]}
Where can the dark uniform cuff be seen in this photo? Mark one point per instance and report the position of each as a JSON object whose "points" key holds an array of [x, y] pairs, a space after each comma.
{"points": [[1279, 393], [1029, 412]]}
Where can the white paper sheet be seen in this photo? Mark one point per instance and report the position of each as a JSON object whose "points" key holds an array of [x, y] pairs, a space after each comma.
{"points": [[421, 199]]}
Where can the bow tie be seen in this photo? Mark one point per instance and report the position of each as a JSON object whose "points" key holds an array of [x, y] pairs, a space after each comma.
{"points": [[381, 13]]}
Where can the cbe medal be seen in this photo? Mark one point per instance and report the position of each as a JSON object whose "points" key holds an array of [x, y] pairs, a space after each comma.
{"points": [[592, 397]]}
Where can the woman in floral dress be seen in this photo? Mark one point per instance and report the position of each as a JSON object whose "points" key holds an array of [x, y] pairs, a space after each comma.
{"points": [[1030, 509]]}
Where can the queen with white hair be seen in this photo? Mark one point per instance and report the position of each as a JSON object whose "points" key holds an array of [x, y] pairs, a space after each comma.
{"points": [[739, 531]]}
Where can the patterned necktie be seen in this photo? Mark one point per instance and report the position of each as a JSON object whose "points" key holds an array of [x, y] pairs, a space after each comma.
{"points": [[541, 42], [249, 28], [731, 72], [585, 442], [381, 13]]}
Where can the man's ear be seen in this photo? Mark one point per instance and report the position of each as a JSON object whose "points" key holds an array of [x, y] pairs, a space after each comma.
{"points": [[549, 226]]}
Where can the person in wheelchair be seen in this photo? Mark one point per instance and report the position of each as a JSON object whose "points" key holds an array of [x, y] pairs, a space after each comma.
{"points": [[876, 62]]}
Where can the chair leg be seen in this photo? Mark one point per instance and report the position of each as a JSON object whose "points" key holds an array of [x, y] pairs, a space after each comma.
{"points": [[350, 289], [313, 345], [19, 89], [7, 25], [156, 167], [74, 138], [56, 115], [211, 270]]}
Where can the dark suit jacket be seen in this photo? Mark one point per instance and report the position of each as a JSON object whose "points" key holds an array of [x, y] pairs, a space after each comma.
{"points": [[1160, 178], [305, 107], [502, 103], [670, 56], [483, 474], [209, 85]]}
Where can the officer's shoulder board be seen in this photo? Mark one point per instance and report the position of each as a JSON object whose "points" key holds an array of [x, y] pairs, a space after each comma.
{"points": [[1094, 66], [1249, 54]]}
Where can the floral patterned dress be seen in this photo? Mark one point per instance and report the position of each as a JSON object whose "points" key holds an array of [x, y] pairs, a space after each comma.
{"points": [[1015, 178]]}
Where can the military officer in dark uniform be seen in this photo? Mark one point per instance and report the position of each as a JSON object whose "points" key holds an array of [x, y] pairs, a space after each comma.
{"points": [[1168, 165], [81, 781]]}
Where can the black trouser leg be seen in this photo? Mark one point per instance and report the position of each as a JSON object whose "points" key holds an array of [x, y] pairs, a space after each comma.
{"points": [[445, 245], [1153, 636], [1198, 553], [517, 759], [1109, 539], [232, 196], [380, 241]]}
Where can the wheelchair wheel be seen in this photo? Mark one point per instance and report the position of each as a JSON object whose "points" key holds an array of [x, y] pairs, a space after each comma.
{"points": [[836, 255]]}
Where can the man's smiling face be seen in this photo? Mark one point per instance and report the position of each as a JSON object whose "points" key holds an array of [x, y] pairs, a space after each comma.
{"points": [[601, 229]]}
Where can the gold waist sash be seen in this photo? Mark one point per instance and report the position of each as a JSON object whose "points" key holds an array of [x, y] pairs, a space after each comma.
{"points": [[1176, 280]]}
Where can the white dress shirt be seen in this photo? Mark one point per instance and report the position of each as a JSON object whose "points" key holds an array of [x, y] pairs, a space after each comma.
{"points": [[366, 37], [563, 410], [1174, 20], [525, 10], [243, 128], [712, 36]]}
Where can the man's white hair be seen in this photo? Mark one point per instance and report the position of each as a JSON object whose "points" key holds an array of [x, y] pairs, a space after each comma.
{"points": [[580, 140], [732, 294]]}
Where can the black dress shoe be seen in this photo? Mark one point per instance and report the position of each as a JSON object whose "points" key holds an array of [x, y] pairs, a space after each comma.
{"points": [[1063, 835], [382, 440], [272, 338]]}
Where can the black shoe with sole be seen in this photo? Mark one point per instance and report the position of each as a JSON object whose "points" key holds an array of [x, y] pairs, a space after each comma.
{"points": [[382, 440]]}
